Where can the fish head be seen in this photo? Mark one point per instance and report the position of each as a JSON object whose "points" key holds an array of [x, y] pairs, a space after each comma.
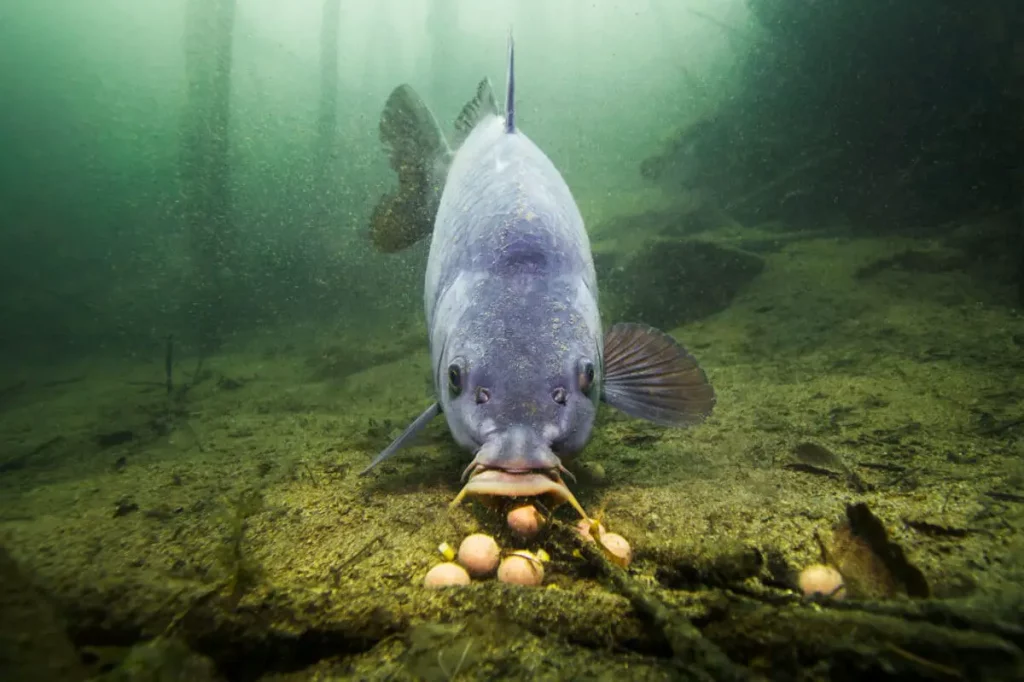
{"points": [[521, 391], [516, 419]]}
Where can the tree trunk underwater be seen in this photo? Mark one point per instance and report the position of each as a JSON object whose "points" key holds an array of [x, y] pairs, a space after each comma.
{"points": [[205, 170], [326, 175]]}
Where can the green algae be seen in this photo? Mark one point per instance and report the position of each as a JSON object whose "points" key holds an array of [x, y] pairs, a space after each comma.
{"points": [[887, 371]]}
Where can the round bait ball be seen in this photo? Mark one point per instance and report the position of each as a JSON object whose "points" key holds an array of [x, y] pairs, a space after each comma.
{"points": [[520, 570], [619, 549], [479, 553], [445, 575], [583, 528], [525, 521], [822, 580]]}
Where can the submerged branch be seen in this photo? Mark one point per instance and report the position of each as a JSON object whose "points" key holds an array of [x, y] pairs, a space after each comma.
{"points": [[923, 638], [699, 655], [793, 172]]}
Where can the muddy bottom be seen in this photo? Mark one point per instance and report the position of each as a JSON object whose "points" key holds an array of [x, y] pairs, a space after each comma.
{"points": [[220, 530]]}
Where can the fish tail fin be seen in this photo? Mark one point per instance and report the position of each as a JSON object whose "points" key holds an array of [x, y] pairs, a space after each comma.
{"points": [[420, 155], [510, 88]]}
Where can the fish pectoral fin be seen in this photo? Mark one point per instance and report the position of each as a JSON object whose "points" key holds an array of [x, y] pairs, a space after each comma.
{"points": [[647, 374], [410, 432], [482, 105]]}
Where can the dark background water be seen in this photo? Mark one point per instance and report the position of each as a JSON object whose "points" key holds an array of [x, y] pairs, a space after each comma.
{"points": [[820, 198], [882, 116]]}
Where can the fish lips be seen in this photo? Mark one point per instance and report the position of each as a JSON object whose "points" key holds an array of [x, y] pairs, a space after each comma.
{"points": [[544, 484], [506, 483]]}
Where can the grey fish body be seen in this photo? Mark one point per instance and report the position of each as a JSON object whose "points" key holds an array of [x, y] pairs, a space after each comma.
{"points": [[511, 293], [519, 359]]}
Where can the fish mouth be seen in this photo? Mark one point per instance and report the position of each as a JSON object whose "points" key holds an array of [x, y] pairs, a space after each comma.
{"points": [[546, 484]]}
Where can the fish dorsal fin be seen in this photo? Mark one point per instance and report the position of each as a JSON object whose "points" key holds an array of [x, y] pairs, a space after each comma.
{"points": [[482, 105], [510, 88]]}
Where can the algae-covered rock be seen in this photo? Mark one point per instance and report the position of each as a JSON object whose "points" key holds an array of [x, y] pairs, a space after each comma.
{"points": [[33, 643], [163, 660], [670, 283]]}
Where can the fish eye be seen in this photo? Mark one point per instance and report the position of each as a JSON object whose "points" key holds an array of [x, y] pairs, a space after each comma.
{"points": [[585, 375], [560, 395], [482, 395], [454, 378]]}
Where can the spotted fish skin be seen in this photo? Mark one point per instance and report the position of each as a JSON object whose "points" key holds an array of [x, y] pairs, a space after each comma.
{"points": [[519, 360], [511, 294]]}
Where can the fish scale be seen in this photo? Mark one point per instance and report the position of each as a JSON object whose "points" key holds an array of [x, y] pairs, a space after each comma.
{"points": [[510, 294]]}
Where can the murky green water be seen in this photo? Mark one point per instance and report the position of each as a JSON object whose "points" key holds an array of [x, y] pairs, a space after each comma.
{"points": [[202, 348]]}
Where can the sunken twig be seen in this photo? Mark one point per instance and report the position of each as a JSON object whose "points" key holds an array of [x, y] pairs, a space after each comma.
{"points": [[700, 656]]}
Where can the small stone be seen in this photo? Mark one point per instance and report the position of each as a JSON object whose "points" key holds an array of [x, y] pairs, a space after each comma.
{"points": [[124, 506]]}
